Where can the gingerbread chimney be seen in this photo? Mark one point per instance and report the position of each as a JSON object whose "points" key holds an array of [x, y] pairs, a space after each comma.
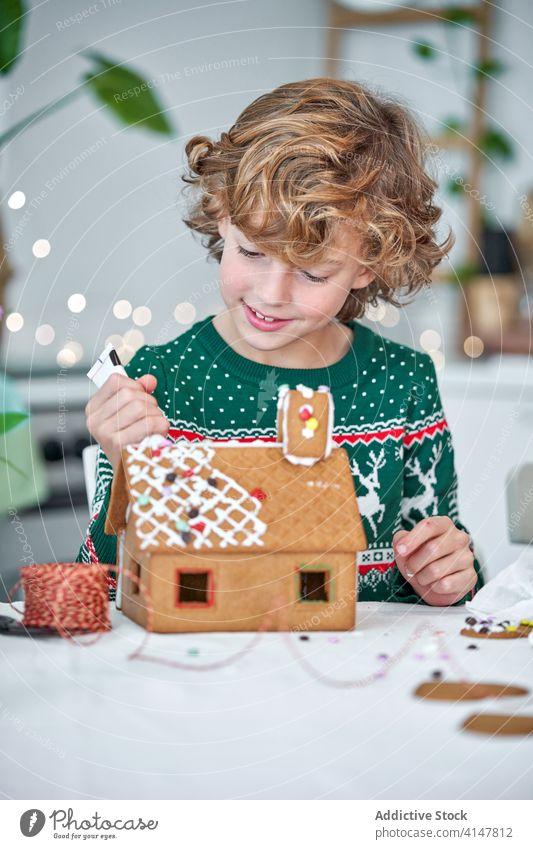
{"points": [[305, 423]]}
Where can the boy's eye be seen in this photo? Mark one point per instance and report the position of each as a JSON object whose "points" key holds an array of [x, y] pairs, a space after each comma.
{"points": [[244, 252], [254, 254], [313, 278]]}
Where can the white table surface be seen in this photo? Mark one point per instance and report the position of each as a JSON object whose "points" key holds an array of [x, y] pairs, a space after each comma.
{"points": [[86, 722]]}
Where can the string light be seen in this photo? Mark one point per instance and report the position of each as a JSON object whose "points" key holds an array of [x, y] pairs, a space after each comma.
{"points": [[438, 359], [375, 313], [45, 334], [76, 303], [391, 317], [430, 340], [76, 349], [66, 358], [14, 322], [185, 313], [134, 339], [125, 353], [142, 316], [17, 200], [473, 346], [41, 248], [122, 309]]}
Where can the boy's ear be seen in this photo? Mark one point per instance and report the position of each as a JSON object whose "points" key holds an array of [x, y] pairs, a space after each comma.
{"points": [[223, 224], [364, 277]]}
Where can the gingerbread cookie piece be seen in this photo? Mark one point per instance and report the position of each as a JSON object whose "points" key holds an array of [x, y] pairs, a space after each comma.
{"points": [[305, 423], [490, 628], [499, 723], [455, 691]]}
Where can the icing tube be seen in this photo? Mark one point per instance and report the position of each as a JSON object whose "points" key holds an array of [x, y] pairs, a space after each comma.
{"points": [[107, 363]]}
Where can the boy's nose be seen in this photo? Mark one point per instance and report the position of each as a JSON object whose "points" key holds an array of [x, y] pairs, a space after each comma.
{"points": [[274, 287]]}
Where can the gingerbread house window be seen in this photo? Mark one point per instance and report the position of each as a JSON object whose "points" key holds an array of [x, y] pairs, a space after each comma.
{"points": [[135, 570], [194, 588], [314, 584]]}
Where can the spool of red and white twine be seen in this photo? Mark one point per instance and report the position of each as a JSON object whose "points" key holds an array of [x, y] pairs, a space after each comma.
{"points": [[71, 598]]}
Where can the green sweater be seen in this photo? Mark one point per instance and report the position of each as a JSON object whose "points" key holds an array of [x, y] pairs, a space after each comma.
{"points": [[388, 417]]}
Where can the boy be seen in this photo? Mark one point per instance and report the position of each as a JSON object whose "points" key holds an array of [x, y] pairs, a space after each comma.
{"points": [[315, 203]]}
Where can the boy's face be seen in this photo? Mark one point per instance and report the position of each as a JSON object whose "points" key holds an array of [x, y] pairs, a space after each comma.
{"points": [[302, 305]]}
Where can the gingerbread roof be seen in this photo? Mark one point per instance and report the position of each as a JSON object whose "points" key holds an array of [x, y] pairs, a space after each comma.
{"points": [[208, 496]]}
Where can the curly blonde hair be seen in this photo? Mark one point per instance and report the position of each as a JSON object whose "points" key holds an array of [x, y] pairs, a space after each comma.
{"points": [[310, 155]]}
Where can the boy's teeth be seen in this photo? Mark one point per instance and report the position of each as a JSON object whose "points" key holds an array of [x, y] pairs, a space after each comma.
{"points": [[262, 316]]}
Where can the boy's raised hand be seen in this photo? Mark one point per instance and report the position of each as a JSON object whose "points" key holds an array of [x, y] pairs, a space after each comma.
{"points": [[435, 557], [123, 411]]}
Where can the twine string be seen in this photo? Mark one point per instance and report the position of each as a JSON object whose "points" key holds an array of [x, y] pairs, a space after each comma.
{"points": [[73, 598], [70, 598]]}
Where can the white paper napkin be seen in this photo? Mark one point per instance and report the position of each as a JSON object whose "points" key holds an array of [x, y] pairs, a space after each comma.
{"points": [[510, 594]]}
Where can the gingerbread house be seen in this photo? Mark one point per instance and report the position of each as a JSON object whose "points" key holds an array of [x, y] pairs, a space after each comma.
{"points": [[214, 535]]}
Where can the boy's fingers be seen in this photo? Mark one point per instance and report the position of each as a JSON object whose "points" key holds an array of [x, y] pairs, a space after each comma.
{"points": [[140, 405], [148, 382], [430, 556], [455, 562], [112, 385], [138, 430], [458, 582], [424, 530]]}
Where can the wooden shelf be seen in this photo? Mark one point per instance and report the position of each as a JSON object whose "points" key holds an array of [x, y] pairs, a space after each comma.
{"points": [[342, 18]]}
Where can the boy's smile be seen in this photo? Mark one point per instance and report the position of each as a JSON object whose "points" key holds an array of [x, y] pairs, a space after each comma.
{"points": [[281, 316]]}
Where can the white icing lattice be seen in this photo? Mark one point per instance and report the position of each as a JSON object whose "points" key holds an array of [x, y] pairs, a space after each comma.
{"points": [[229, 513]]}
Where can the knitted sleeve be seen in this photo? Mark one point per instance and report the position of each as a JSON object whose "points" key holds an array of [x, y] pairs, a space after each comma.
{"points": [[98, 547], [430, 485]]}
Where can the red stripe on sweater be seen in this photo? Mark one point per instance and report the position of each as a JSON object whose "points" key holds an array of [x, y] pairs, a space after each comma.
{"points": [[338, 438], [426, 431], [379, 567]]}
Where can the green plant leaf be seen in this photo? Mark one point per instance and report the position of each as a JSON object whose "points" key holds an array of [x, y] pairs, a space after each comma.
{"points": [[489, 68], [424, 50], [11, 25], [10, 420], [453, 125], [465, 272], [496, 144], [458, 16], [454, 186], [127, 95]]}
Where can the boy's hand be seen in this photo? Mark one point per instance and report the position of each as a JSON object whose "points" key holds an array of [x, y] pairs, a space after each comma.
{"points": [[122, 412], [437, 560]]}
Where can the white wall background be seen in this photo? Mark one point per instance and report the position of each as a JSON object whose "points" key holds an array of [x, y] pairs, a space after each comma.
{"points": [[114, 219]]}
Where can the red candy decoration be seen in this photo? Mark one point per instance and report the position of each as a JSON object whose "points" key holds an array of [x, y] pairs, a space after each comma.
{"points": [[258, 493], [304, 413], [199, 526], [188, 474], [156, 452]]}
